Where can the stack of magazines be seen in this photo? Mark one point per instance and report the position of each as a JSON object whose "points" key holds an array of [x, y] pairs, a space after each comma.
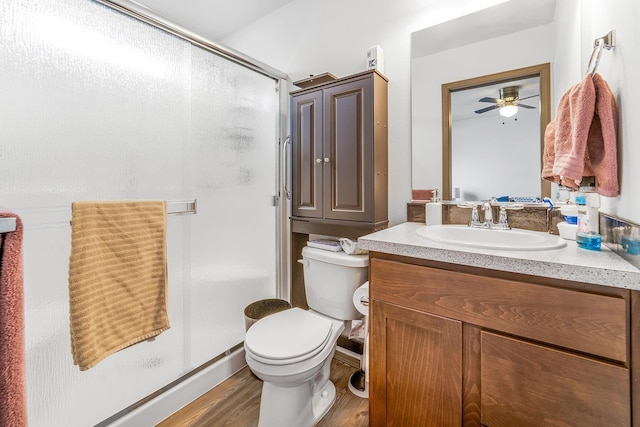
{"points": [[326, 244]]}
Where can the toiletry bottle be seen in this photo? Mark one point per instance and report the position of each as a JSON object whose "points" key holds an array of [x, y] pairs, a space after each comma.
{"points": [[434, 210], [562, 195], [593, 211], [583, 217], [585, 236]]}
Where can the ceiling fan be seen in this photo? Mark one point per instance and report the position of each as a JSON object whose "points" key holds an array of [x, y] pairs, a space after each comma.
{"points": [[508, 102]]}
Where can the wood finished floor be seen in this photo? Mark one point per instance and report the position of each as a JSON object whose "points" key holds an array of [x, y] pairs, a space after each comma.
{"points": [[236, 402]]}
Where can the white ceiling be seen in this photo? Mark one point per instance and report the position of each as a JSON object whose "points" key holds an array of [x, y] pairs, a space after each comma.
{"points": [[213, 19], [499, 20]]}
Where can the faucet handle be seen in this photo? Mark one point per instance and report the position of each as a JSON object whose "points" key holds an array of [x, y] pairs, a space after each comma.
{"points": [[512, 206], [466, 205], [475, 218], [503, 223]]}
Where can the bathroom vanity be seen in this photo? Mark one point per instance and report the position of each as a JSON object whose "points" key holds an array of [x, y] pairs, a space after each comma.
{"points": [[484, 337]]}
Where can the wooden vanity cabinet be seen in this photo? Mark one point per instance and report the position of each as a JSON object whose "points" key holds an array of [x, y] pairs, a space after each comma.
{"points": [[526, 384], [418, 373], [453, 346], [339, 151]]}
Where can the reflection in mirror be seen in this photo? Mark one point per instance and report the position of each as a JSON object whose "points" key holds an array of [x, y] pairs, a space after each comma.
{"points": [[477, 125], [500, 124]]}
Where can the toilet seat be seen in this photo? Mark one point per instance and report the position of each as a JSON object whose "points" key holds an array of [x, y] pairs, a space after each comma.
{"points": [[288, 337]]}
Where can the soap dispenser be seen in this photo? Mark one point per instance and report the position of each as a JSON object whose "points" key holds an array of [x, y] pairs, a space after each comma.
{"points": [[434, 210]]}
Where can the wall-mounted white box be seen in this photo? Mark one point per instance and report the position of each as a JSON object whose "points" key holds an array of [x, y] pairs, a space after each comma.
{"points": [[375, 58]]}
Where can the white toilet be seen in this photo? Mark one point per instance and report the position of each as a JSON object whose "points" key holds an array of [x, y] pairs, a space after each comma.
{"points": [[291, 350]]}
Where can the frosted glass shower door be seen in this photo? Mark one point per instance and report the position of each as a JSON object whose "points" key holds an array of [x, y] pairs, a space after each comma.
{"points": [[233, 169], [96, 105]]}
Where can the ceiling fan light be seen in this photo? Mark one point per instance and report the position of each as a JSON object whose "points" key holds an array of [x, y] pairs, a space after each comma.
{"points": [[508, 110]]}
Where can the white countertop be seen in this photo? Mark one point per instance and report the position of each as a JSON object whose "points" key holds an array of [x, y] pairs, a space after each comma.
{"points": [[602, 267]]}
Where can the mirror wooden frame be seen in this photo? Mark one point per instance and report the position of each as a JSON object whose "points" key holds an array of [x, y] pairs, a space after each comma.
{"points": [[543, 71]]}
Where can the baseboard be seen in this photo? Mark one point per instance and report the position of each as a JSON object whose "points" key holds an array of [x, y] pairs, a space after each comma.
{"points": [[167, 403]]}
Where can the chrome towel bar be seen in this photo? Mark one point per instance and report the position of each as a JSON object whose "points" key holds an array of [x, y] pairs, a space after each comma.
{"points": [[7, 225], [608, 42]]}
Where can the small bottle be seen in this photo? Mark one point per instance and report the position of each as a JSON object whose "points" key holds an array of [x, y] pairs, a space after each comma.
{"points": [[583, 216], [562, 195], [434, 210], [591, 241], [586, 238]]}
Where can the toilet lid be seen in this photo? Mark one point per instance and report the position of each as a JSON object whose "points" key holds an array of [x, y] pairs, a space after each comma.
{"points": [[288, 334]]}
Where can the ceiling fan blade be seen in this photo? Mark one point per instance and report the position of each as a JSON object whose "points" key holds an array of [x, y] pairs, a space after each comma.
{"points": [[484, 110], [525, 106], [486, 99], [527, 97]]}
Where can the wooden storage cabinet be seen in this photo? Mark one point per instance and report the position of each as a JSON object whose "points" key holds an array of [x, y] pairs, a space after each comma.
{"points": [[307, 154], [339, 151], [518, 351]]}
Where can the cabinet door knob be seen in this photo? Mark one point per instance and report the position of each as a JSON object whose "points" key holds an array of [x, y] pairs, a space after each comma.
{"points": [[326, 160], [318, 160]]}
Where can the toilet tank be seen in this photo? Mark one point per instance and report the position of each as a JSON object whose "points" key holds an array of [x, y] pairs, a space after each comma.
{"points": [[331, 278]]}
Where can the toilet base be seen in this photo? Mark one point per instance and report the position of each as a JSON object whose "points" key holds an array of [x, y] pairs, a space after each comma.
{"points": [[323, 401], [294, 406]]}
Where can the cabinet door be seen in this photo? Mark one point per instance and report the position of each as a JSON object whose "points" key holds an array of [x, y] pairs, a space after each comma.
{"points": [[306, 155], [524, 384], [415, 368], [348, 151]]}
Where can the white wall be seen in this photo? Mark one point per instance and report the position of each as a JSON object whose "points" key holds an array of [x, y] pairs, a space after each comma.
{"points": [[311, 37], [620, 68], [578, 24]]}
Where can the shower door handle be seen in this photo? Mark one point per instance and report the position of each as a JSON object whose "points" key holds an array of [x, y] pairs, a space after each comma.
{"points": [[285, 167]]}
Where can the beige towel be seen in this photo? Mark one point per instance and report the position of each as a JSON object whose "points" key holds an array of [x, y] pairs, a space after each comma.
{"points": [[117, 277]]}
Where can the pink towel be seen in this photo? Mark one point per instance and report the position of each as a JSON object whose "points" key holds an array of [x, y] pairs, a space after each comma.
{"points": [[602, 142], [582, 141], [13, 407], [575, 113], [549, 153]]}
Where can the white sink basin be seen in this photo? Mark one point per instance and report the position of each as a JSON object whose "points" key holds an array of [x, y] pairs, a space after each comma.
{"points": [[512, 240]]}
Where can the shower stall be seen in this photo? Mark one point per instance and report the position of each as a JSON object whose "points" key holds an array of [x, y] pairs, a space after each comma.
{"points": [[98, 105]]}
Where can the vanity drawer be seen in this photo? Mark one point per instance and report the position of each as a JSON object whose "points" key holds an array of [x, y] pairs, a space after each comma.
{"points": [[585, 322]]}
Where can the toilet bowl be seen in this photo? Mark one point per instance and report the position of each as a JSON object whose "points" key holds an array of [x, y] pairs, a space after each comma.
{"points": [[291, 351], [294, 365]]}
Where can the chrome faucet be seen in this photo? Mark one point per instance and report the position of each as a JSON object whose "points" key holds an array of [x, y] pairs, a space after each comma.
{"points": [[488, 215], [487, 207]]}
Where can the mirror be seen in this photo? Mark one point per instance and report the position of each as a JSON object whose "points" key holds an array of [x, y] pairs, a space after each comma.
{"points": [[495, 155], [513, 35]]}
